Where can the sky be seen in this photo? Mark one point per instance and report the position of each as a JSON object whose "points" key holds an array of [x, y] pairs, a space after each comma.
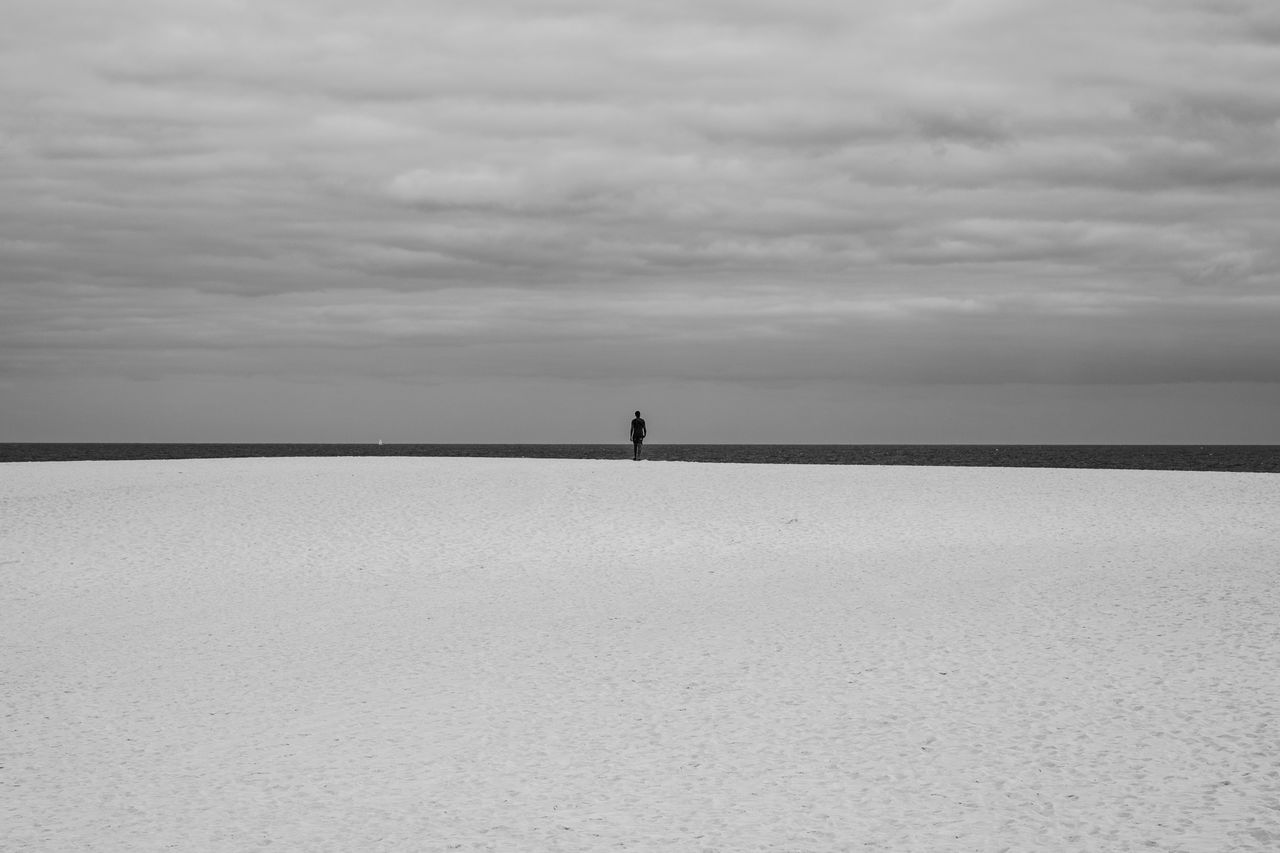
{"points": [[774, 221]]}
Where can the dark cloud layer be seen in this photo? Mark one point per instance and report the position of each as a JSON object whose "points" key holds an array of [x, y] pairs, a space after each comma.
{"points": [[882, 194]]}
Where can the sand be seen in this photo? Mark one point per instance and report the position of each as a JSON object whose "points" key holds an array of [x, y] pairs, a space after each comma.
{"points": [[375, 654]]}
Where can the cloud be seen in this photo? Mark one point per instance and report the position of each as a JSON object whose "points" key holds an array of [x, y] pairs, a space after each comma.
{"points": [[922, 192], [746, 335]]}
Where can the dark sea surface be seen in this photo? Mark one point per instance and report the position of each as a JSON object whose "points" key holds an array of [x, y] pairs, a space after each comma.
{"points": [[1256, 458]]}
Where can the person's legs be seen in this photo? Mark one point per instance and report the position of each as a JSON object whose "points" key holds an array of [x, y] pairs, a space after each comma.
{"points": [[636, 449]]}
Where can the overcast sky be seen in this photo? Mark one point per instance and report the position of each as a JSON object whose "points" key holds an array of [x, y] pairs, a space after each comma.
{"points": [[846, 221]]}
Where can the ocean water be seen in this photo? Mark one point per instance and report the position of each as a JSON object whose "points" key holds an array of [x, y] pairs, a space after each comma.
{"points": [[1255, 458]]}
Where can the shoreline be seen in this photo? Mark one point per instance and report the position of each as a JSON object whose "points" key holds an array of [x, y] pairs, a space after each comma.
{"points": [[1242, 458]]}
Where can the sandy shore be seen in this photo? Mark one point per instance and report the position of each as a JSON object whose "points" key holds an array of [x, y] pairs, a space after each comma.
{"points": [[481, 654]]}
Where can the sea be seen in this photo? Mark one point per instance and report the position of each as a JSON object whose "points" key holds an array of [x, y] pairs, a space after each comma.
{"points": [[1250, 458]]}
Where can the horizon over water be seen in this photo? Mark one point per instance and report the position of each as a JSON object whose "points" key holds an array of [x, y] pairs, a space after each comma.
{"points": [[1241, 458]]}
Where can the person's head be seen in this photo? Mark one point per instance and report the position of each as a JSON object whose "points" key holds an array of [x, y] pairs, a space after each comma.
{"points": [[637, 413]]}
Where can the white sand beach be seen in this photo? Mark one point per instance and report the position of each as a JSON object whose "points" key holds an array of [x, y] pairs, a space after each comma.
{"points": [[421, 654]]}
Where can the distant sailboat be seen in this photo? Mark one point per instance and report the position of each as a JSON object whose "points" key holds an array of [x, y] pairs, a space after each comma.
{"points": [[379, 442]]}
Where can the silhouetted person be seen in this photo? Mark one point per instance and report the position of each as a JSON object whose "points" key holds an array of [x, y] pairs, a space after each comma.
{"points": [[638, 432]]}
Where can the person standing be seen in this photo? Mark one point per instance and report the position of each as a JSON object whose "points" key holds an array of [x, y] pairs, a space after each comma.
{"points": [[638, 432]]}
